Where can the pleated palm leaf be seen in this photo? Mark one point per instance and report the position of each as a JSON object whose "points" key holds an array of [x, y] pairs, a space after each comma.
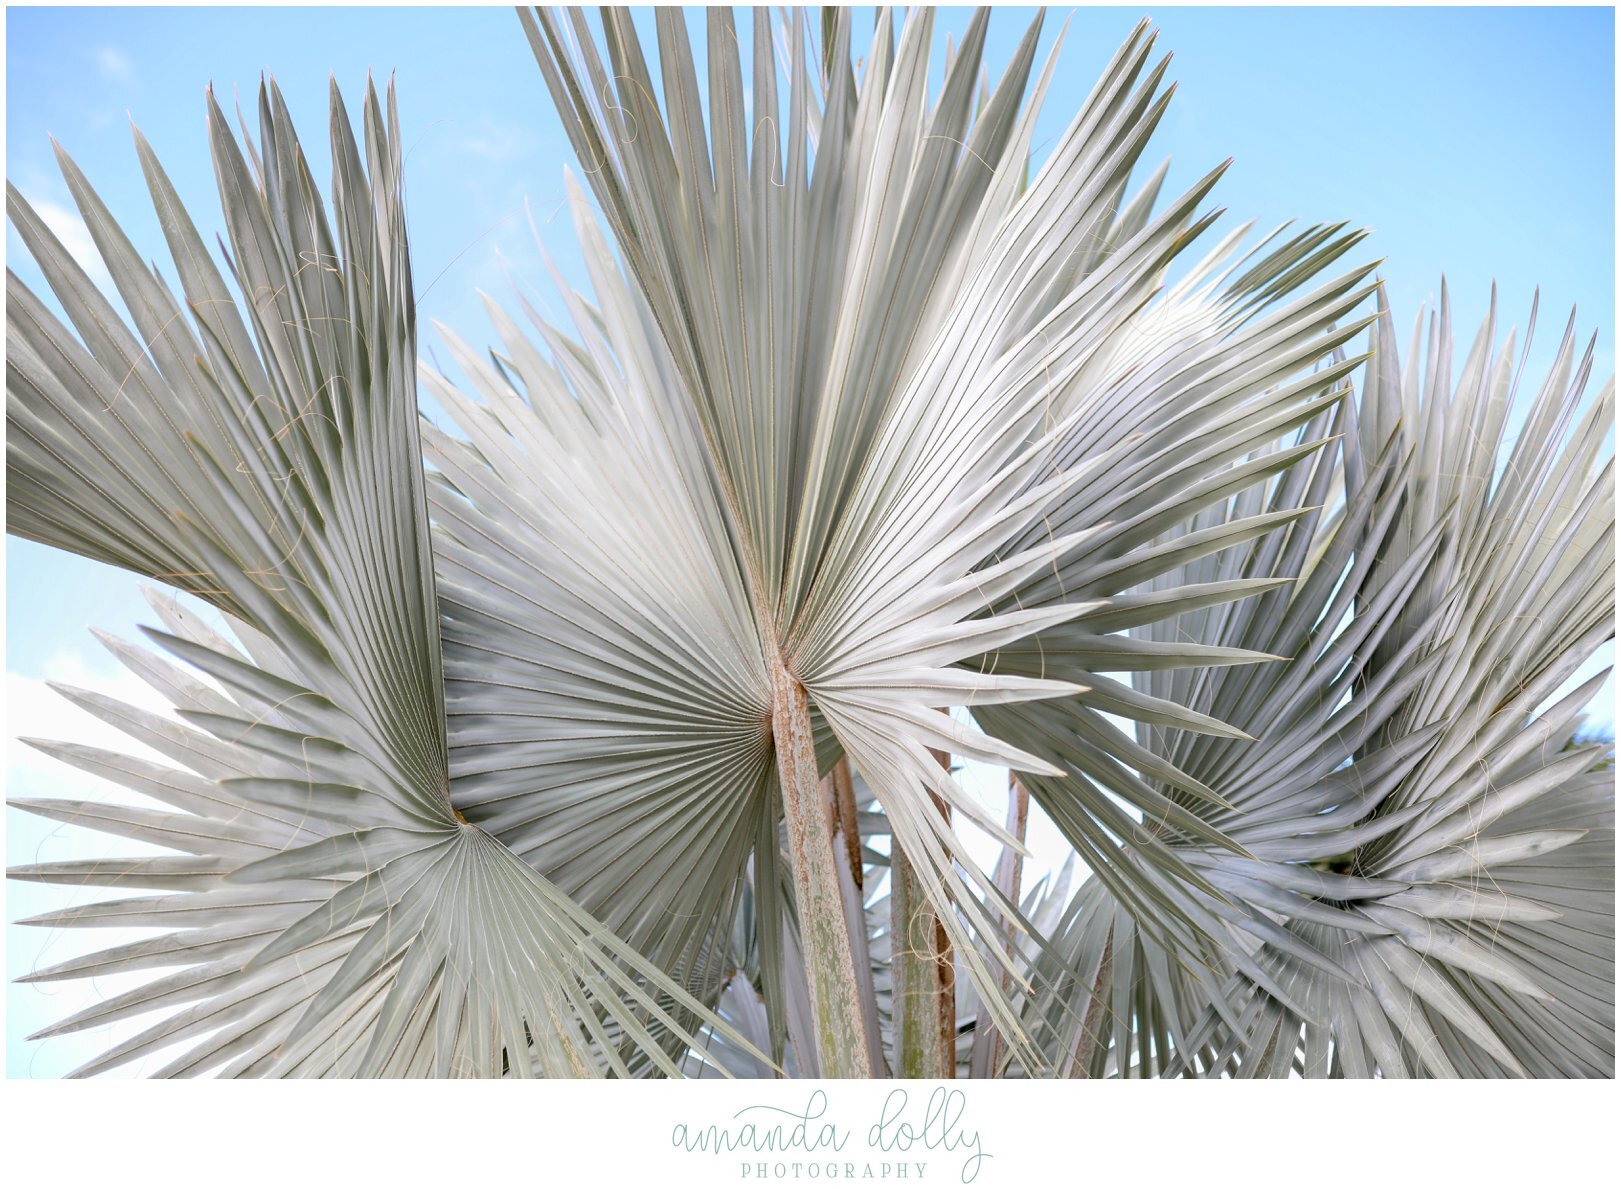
{"points": [[1428, 888], [332, 911], [894, 373]]}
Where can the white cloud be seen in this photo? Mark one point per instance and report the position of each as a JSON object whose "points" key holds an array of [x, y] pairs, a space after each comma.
{"points": [[495, 141], [66, 225], [35, 711], [115, 66]]}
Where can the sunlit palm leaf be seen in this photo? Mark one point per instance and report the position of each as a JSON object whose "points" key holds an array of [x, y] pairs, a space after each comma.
{"points": [[264, 455], [896, 362]]}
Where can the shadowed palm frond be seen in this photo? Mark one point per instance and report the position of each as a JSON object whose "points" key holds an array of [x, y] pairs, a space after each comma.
{"points": [[1428, 884]]}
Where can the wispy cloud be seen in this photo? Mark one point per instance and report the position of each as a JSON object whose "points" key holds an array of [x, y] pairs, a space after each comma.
{"points": [[494, 140], [36, 711], [115, 65], [68, 227]]}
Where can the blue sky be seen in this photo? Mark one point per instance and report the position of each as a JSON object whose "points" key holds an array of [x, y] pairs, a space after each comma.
{"points": [[1478, 142]]}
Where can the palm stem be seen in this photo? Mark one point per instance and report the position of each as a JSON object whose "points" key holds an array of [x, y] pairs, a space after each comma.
{"points": [[989, 1043], [846, 822], [923, 972], [836, 1008], [945, 964], [920, 1041], [1090, 1042]]}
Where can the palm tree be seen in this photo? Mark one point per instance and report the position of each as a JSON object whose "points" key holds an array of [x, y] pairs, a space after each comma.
{"points": [[609, 731]]}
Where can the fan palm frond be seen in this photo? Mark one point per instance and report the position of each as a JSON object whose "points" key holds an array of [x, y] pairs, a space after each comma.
{"points": [[334, 912], [899, 364], [1427, 887]]}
